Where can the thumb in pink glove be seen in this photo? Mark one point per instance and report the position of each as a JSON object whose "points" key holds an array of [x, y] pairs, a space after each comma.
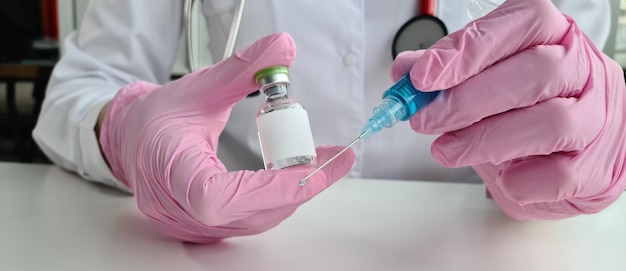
{"points": [[161, 141], [532, 105]]}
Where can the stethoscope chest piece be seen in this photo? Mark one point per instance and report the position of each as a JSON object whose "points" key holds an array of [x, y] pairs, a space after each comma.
{"points": [[420, 32]]}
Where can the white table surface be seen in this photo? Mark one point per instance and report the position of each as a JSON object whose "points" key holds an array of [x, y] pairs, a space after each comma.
{"points": [[52, 220]]}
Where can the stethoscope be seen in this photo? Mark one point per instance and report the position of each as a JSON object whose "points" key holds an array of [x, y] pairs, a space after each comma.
{"points": [[420, 32], [232, 35]]}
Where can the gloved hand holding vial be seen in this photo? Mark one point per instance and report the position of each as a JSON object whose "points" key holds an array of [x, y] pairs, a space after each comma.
{"points": [[161, 142]]}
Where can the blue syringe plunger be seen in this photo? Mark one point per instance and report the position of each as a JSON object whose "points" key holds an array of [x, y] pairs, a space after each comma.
{"points": [[400, 103]]}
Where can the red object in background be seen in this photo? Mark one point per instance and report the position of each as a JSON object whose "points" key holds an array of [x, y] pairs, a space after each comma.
{"points": [[427, 7], [49, 19]]}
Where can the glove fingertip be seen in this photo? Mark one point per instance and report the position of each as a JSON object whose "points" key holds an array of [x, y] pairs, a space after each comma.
{"points": [[403, 63], [439, 154], [277, 49], [451, 152]]}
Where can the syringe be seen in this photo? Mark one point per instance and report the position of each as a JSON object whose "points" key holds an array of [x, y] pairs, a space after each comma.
{"points": [[400, 103]]}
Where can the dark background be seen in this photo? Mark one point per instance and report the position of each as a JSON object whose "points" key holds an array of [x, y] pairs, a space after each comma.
{"points": [[29, 44]]}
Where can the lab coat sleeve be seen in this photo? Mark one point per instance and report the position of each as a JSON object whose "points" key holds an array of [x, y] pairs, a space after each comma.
{"points": [[119, 42]]}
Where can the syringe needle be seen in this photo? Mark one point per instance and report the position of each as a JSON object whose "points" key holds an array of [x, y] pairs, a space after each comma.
{"points": [[303, 181]]}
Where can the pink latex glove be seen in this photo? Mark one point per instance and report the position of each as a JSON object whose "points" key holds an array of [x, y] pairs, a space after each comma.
{"points": [[531, 104], [161, 141]]}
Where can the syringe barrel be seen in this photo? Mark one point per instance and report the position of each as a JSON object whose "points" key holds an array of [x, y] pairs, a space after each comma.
{"points": [[411, 98], [399, 103]]}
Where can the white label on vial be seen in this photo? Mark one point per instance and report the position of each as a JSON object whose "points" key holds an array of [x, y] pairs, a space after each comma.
{"points": [[285, 133]]}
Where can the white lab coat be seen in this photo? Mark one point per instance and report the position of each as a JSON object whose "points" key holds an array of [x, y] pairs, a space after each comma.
{"points": [[341, 68]]}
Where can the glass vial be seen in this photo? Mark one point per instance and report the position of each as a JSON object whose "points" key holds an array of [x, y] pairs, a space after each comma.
{"points": [[282, 123]]}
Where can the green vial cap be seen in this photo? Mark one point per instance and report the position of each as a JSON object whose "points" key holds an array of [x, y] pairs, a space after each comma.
{"points": [[270, 71]]}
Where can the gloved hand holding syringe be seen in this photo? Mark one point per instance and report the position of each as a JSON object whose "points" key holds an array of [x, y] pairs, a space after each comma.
{"points": [[400, 103]]}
